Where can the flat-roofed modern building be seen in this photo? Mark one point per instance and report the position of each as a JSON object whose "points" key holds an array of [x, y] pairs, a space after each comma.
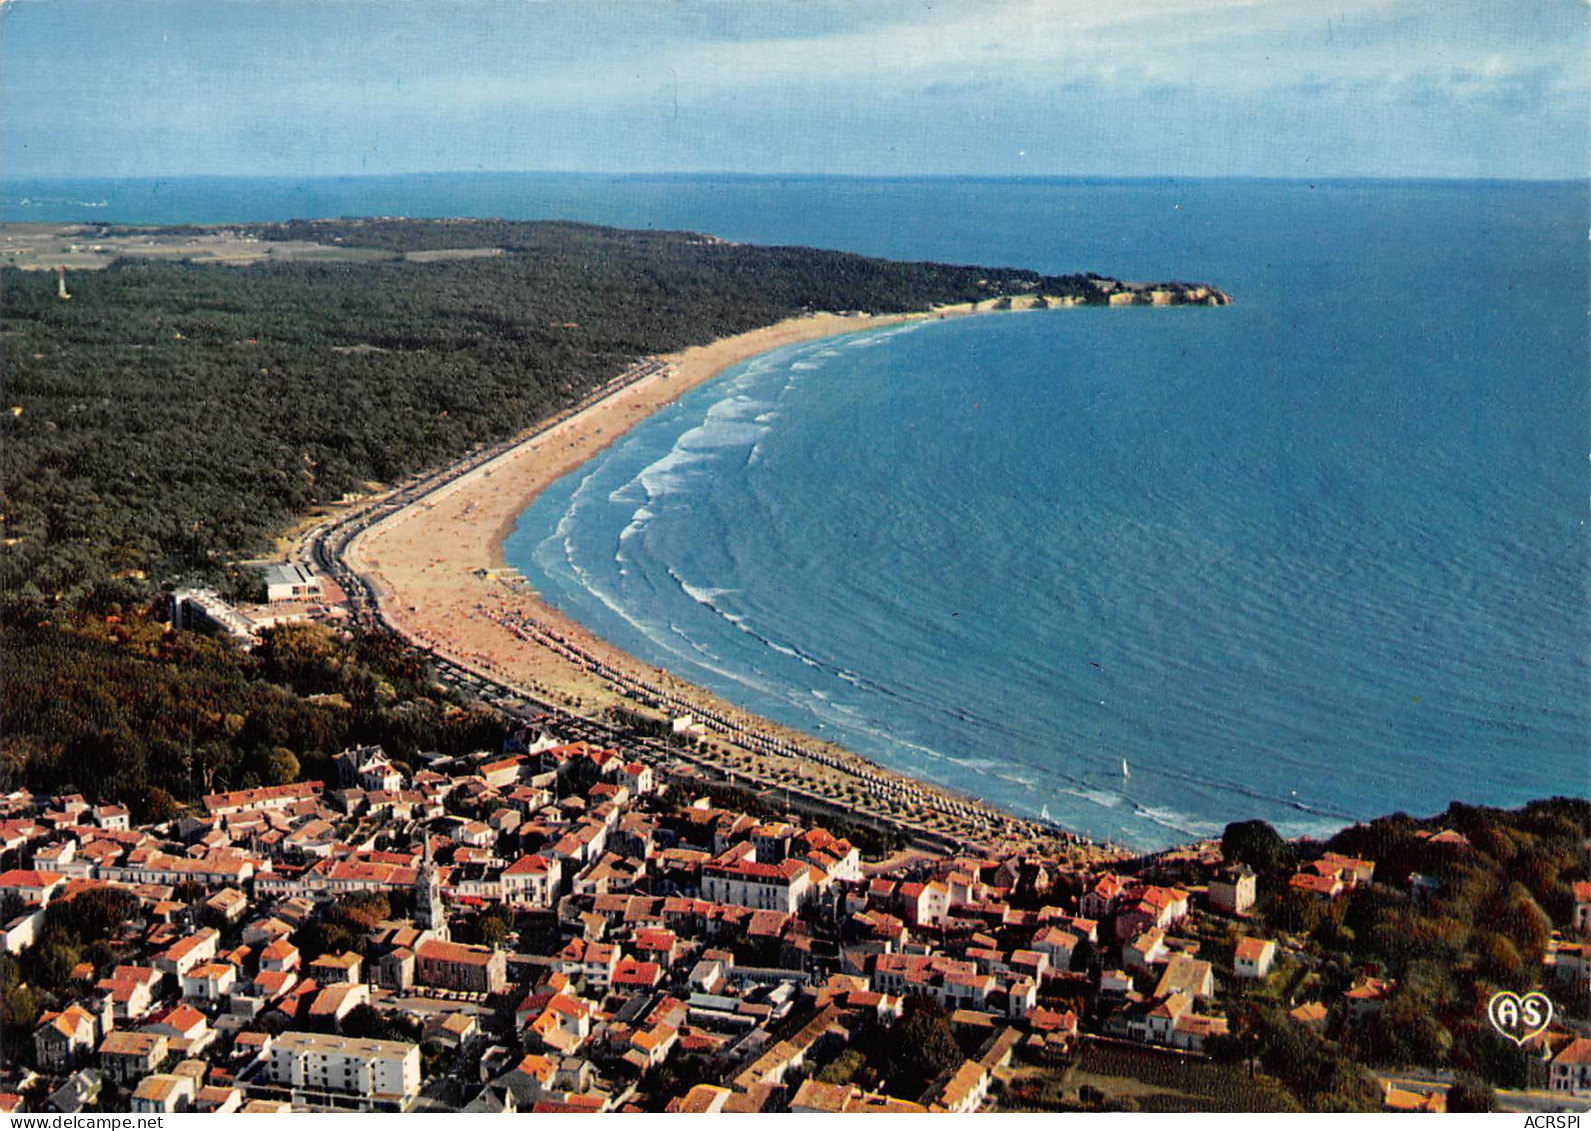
{"points": [[289, 582], [383, 1073]]}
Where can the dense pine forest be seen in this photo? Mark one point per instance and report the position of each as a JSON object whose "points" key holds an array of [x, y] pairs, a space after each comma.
{"points": [[171, 418]]}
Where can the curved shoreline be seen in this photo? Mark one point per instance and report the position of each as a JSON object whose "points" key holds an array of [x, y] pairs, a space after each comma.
{"points": [[437, 567]]}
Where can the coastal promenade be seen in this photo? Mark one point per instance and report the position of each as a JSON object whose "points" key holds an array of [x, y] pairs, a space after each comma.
{"points": [[424, 561]]}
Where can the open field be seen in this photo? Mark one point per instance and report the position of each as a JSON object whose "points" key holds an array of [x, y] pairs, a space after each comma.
{"points": [[1162, 1080], [88, 247]]}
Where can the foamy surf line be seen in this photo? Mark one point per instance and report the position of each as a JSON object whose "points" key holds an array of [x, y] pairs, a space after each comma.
{"points": [[710, 431], [1019, 785], [462, 527], [425, 561]]}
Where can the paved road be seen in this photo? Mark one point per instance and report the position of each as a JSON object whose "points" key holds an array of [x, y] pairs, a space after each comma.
{"points": [[1539, 1100], [1532, 1101]]}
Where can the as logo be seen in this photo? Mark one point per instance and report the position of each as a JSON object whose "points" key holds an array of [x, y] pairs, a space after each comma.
{"points": [[1519, 1018]]}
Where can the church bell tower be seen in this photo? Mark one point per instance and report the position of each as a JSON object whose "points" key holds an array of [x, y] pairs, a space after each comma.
{"points": [[429, 914]]}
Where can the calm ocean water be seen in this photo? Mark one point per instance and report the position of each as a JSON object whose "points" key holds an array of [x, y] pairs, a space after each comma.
{"points": [[1316, 556]]}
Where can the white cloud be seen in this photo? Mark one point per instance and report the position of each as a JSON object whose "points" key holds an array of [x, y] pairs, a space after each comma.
{"points": [[714, 83], [1232, 47]]}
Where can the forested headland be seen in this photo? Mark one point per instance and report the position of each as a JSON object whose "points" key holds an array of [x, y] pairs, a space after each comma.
{"points": [[1463, 905], [170, 419]]}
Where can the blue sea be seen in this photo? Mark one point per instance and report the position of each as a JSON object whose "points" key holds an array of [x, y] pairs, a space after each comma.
{"points": [[1314, 557]]}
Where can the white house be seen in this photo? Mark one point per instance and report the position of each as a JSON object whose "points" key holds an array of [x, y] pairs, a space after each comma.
{"points": [[1571, 1068], [1058, 944], [32, 888], [531, 881], [766, 887], [162, 1094], [1253, 958], [209, 982]]}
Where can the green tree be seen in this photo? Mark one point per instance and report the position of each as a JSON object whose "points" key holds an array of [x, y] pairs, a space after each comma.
{"points": [[52, 962], [842, 1069], [676, 1076], [1084, 955], [1318, 1073], [281, 766], [19, 1015], [357, 913], [91, 915], [319, 937], [1470, 1093], [921, 1046], [493, 930], [365, 1021], [1256, 844]]}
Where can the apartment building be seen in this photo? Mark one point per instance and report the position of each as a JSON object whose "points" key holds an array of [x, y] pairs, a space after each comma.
{"points": [[381, 1072]]}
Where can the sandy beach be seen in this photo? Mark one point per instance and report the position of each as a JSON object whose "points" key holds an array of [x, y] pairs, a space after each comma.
{"points": [[436, 567]]}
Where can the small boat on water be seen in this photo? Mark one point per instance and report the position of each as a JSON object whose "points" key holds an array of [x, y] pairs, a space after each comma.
{"points": [[1125, 772], [1044, 811]]}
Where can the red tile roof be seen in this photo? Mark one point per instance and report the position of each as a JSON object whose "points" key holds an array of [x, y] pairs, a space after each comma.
{"points": [[28, 878], [1250, 950], [435, 950]]}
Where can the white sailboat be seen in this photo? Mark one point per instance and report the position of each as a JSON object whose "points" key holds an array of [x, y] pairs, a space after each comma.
{"points": [[1125, 772], [1044, 811]]}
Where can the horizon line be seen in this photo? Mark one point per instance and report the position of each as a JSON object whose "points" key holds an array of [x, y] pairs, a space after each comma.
{"points": [[1426, 178]]}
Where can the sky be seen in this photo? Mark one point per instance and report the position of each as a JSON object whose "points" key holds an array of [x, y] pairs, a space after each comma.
{"points": [[1283, 88]]}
